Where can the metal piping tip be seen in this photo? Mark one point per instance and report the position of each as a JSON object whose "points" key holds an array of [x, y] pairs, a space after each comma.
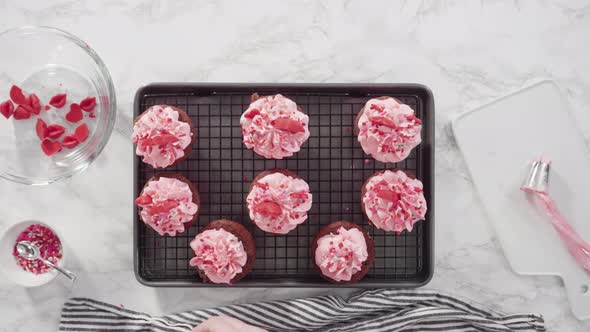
{"points": [[538, 177]]}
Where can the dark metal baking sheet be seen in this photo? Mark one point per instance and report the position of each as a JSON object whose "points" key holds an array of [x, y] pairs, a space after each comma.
{"points": [[331, 161]]}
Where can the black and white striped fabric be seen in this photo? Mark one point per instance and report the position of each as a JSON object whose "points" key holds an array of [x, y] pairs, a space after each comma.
{"points": [[377, 310]]}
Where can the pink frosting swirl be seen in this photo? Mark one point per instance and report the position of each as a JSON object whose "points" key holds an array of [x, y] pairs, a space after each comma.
{"points": [[160, 136], [166, 205], [278, 203], [219, 254], [388, 130], [393, 201], [341, 255], [274, 127]]}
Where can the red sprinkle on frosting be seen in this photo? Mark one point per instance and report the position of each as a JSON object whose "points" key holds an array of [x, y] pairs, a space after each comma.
{"points": [[162, 207], [143, 199], [162, 139], [252, 114], [290, 125], [388, 195], [269, 208], [381, 120]]}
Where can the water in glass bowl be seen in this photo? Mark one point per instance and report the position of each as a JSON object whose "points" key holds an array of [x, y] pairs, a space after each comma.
{"points": [[20, 148], [47, 62]]}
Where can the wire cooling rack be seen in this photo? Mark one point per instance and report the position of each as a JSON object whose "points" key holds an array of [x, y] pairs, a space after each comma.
{"points": [[331, 161]]}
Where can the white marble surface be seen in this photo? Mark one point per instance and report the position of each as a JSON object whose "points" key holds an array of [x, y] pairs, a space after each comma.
{"points": [[468, 52]]}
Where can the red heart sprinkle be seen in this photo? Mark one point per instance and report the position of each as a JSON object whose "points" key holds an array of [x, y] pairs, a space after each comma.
{"points": [[143, 200], [268, 208], [91, 115], [289, 125], [388, 195], [164, 206], [59, 100], [413, 117], [376, 107], [47, 108], [75, 113], [35, 103], [49, 147], [82, 132], [383, 121], [88, 103], [7, 109], [70, 141], [159, 140], [41, 129], [17, 95], [27, 107], [300, 194], [252, 114], [263, 186], [55, 131], [22, 112]]}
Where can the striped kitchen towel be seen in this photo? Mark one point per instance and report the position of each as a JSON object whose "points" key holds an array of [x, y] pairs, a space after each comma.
{"points": [[376, 310]]}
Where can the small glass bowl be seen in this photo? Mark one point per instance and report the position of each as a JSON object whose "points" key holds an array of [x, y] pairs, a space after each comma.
{"points": [[48, 61]]}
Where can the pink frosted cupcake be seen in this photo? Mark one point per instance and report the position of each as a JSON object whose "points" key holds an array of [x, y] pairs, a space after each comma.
{"points": [[393, 201], [224, 252], [278, 201], [164, 136], [387, 129], [343, 252], [169, 203], [274, 126]]}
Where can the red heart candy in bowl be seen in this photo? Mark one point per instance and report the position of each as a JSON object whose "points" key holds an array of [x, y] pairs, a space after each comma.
{"points": [[44, 72]]}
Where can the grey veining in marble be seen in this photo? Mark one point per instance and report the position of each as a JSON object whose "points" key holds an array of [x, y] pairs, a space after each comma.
{"points": [[467, 52]]}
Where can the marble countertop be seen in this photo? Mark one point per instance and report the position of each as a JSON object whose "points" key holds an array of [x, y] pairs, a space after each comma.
{"points": [[467, 52]]}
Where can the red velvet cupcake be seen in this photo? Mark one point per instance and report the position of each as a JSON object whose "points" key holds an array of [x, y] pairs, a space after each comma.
{"points": [[387, 129], [274, 126], [278, 201], [343, 252], [164, 136], [224, 252], [168, 203], [393, 201]]}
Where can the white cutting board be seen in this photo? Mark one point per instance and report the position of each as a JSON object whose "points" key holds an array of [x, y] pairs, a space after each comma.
{"points": [[499, 142]]}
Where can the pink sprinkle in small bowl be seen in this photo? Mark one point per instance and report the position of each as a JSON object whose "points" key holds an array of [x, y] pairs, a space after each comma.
{"points": [[8, 266]]}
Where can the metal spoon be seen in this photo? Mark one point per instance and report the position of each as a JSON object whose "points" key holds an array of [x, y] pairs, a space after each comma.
{"points": [[29, 251]]}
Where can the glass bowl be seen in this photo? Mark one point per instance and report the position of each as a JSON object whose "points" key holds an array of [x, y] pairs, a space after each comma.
{"points": [[47, 62]]}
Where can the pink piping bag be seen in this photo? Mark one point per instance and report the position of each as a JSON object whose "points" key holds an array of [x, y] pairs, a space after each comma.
{"points": [[536, 184]]}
